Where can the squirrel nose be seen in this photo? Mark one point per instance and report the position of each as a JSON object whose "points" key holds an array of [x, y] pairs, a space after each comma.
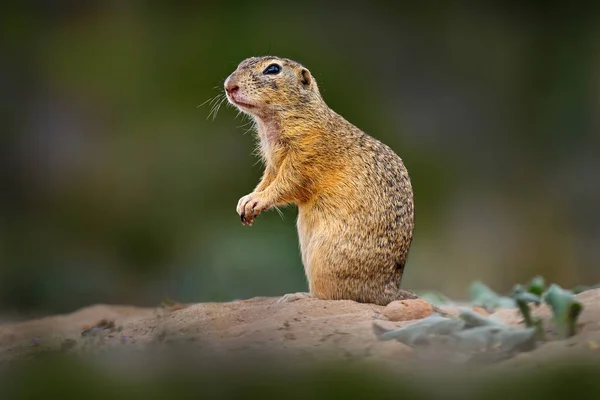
{"points": [[231, 87]]}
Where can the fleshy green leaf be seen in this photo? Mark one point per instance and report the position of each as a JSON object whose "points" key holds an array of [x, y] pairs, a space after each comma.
{"points": [[537, 286], [517, 339], [565, 309], [420, 330], [479, 338], [494, 335], [480, 294], [473, 319]]}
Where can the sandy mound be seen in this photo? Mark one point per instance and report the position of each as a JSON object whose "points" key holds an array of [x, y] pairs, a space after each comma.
{"points": [[308, 328]]}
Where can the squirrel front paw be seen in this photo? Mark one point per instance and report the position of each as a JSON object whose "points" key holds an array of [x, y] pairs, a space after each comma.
{"points": [[250, 206]]}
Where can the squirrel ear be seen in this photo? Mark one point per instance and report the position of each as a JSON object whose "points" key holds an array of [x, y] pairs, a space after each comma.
{"points": [[305, 77]]}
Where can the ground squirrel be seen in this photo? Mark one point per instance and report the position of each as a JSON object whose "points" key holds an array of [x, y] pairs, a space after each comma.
{"points": [[354, 196]]}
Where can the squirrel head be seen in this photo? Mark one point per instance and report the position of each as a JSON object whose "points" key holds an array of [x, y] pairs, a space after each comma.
{"points": [[269, 86]]}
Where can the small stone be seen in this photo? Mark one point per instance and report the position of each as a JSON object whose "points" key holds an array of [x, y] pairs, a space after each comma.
{"points": [[407, 310]]}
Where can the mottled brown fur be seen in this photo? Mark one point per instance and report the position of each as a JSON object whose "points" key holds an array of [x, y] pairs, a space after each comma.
{"points": [[354, 195]]}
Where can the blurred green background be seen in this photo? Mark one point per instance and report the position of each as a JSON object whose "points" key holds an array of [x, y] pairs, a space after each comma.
{"points": [[116, 188], [178, 376]]}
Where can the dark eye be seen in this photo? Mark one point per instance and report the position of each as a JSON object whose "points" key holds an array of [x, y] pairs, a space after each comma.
{"points": [[272, 69]]}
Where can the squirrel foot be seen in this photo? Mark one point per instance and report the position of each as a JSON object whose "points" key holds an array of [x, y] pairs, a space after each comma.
{"points": [[250, 206], [288, 298]]}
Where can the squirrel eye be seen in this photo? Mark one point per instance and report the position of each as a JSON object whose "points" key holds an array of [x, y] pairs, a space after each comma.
{"points": [[272, 69]]}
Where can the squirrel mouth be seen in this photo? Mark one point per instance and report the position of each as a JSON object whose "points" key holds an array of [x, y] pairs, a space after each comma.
{"points": [[240, 103], [245, 105]]}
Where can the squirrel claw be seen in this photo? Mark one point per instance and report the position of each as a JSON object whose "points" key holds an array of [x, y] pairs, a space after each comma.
{"points": [[246, 220], [249, 207]]}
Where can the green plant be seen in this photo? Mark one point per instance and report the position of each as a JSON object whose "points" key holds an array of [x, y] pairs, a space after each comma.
{"points": [[486, 338], [565, 307]]}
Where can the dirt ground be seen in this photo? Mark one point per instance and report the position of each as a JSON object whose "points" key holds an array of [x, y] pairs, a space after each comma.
{"points": [[305, 329]]}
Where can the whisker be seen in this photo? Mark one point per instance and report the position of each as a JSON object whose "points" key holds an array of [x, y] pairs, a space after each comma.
{"points": [[279, 212], [216, 105], [215, 100], [212, 110], [259, 159], [215, 108], [221, 103], [245, 124], [212, 101], [209, 100]]}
